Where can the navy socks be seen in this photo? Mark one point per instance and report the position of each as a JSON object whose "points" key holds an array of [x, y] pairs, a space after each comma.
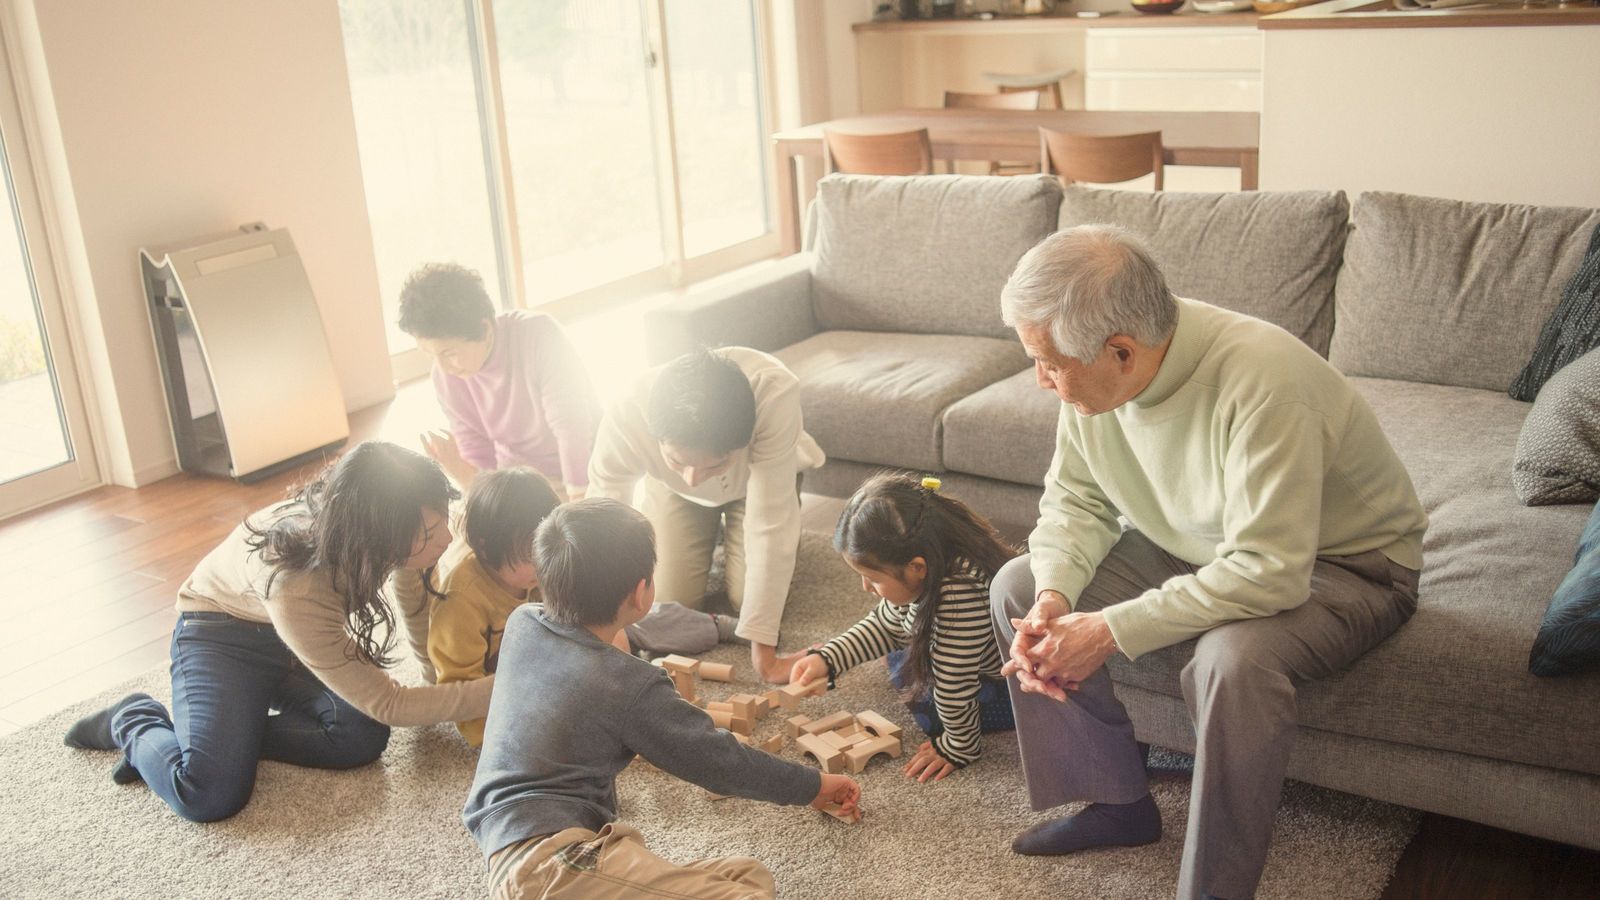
{"points": [[93, 732], [1096, 825]]}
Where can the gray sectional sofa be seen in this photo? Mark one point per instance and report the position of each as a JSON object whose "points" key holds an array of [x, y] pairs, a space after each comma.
{"points": [[891, 319]]}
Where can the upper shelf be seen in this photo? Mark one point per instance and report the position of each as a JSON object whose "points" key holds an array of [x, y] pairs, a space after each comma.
{"points": [[1382, 14], [1332, 14], [1058, 22]]}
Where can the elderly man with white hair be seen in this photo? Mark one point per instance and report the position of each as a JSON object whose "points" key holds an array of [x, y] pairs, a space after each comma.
{"points": [[1271, 523]]}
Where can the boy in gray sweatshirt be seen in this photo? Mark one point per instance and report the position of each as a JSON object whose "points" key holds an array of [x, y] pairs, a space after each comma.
{"points": [[570, 711]]}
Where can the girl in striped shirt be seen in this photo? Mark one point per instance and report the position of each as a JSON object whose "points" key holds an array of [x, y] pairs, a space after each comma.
{"points": [[929, 558]]}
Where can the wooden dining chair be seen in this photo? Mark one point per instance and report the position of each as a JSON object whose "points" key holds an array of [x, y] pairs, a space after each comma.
{"points": [[1100, 158], [900, 153], [1032, 99], [1028, 99]]}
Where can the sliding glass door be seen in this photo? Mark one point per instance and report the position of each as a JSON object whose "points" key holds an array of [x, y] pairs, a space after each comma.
{"points": [[45, 450]]}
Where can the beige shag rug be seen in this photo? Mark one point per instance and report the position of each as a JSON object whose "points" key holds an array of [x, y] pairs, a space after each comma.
{"points": [[394, 829]]}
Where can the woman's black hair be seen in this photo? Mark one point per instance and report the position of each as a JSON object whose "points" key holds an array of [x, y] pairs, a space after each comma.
{"points": [[504, 509], [893, 519], [445, 301], [358, 521]]}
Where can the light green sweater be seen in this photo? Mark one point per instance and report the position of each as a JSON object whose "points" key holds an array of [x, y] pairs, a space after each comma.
{"points": [[1248, 456]]}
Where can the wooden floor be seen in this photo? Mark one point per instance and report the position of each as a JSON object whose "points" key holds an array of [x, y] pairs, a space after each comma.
{"points": [[91, 582]]}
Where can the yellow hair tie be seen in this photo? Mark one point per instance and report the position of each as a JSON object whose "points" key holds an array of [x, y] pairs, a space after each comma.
{"points": [[931, 483]]}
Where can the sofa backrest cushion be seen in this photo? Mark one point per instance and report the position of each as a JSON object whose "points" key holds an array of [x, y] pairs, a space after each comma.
{"points": [[926, 255], [1270, 255], [1448, 292]]}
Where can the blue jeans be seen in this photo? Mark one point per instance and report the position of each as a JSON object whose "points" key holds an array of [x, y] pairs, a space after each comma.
{"points": [[238, 696], [994, 701]]}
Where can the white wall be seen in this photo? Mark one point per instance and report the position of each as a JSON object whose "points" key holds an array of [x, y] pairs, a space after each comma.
{"points": [[164, 120], [1484, 114]]}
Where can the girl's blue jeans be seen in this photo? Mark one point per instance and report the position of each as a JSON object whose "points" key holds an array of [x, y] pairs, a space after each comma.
{"points": [[238, 696], [994, 701]]}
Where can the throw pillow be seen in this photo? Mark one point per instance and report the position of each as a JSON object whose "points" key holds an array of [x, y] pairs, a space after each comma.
{"points": [[1572, 330], [1569, 637], [1558, 452]]}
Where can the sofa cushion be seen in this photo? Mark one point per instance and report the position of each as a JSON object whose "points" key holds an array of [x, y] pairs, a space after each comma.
{"points": [[924, 255], [1558, 451], [1456, 676], [1005, 431], [1449, 292], [1569, 636], [877, 398], [1274, 255]]}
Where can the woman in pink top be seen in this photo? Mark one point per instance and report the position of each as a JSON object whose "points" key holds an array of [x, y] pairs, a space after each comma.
{"points": [[516, 394], [512, 386]]}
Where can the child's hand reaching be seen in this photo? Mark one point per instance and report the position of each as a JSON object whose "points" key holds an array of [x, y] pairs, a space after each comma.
{"points": [[807, 669], [840, 797], [928, 764]]}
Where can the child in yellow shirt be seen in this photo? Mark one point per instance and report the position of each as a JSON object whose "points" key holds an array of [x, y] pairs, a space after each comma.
{"points": [[496, 574]]}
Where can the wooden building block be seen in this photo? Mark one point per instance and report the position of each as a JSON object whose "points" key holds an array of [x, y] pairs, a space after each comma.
{"points": [[859, 756], [739, 724], [745, 705], [794, 726], [684, 682], [877, 724], [835, 740], [793, 692], [723, 705], [831, 760], [773, 744], [837, 811], [774, 699], [716, 671], [721, 718], [676, 663], [828, 723], [741, 738]]}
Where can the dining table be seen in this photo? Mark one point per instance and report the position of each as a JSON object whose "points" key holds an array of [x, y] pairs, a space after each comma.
{"points": [[1224, 139]]}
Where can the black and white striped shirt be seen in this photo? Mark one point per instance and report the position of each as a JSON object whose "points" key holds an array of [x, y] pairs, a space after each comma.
{"points": [[963, 651]]}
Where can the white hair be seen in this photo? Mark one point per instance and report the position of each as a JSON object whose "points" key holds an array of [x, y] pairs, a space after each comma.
{"points": [[1089, 283]]}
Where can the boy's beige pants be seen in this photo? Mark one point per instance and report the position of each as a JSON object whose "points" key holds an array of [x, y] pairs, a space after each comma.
{"points": [[614, 863]]}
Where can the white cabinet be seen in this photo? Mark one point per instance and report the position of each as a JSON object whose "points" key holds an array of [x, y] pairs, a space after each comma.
{"points": [[1199, 68], [1178, 68]]}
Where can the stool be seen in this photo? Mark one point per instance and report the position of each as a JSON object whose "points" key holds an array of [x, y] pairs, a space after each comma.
{"points": [[1032, 81]]}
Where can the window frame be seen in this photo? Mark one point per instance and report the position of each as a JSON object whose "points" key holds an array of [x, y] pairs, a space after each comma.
{"points": [[678, 269]]}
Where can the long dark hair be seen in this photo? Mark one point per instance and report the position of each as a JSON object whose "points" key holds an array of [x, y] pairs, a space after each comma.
{"points": [[358, 521], [893, 519]]}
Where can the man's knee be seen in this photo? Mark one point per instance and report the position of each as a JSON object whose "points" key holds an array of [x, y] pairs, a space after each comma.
{"points": [[1226, 663], [1011, 591]]}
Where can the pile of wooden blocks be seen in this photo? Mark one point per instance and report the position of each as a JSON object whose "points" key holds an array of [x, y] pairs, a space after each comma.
{"points": [[740, 712], [843, 741]]}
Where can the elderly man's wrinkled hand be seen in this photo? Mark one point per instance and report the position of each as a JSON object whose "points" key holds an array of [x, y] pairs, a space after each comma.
{"points": [[1073, 647], [1021, 664]]}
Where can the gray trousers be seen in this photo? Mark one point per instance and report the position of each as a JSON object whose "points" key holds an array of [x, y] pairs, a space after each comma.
{"points": [[1240, 688]]}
